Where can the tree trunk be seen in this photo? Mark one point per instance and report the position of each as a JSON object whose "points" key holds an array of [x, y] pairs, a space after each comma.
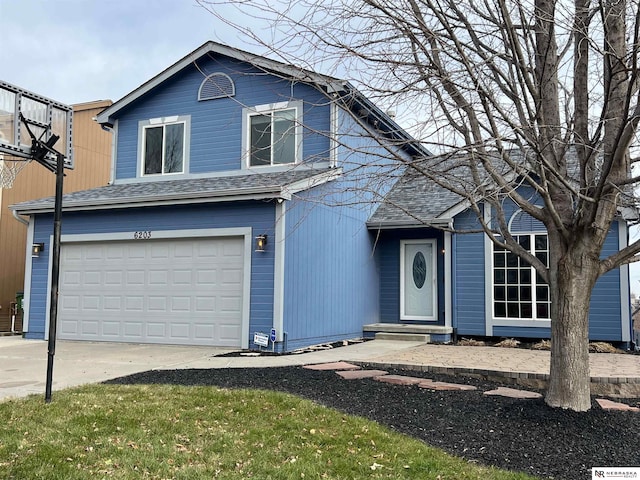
{"points": [[569, 379]]}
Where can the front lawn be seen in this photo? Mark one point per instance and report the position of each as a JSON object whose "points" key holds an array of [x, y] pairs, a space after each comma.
{"points": [[175, 432]]}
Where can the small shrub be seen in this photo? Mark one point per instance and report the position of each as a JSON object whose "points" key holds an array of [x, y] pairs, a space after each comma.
{"points": [[542, 345], [603, 347], [471, 342], [508, 343]]}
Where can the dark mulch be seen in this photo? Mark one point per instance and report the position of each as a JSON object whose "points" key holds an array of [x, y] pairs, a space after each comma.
{"points": [[521, 435]]}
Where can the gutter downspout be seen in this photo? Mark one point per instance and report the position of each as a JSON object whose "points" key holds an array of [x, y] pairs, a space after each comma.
{"points": [[19, 218]]}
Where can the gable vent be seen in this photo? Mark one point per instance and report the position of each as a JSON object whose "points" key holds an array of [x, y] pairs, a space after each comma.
{"points": [[522, 222], [216, 85]]}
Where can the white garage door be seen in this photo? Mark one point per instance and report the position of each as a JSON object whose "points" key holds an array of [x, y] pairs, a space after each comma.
{"points": [[153, 291]]}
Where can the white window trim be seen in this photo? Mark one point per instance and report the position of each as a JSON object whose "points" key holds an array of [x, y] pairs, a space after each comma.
{"points": [[434, 279], [492, 320], [534, 286], [248, 112], [186, 144]]}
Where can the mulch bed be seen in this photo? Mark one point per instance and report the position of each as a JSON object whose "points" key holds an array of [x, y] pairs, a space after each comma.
{"points": [[520, 435]]}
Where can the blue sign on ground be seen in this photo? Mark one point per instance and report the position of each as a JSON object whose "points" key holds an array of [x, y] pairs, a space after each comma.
{"points": [[272, 337]]}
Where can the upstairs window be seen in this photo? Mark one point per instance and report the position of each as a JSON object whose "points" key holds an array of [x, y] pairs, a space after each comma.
{"points": [[216, 85], [164, 145], [272, 136]]}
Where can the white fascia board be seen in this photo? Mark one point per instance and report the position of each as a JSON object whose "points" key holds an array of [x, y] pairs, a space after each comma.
{"points": [[429, 223], [456, 209], [160, 200], [311, 182], [288, 71]]}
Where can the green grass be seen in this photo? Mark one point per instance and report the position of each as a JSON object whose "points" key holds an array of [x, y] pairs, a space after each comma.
{"points": [[170, 432]]}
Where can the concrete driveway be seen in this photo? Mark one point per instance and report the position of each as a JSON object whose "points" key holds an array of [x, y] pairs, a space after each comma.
{"points": [[23, 363]]}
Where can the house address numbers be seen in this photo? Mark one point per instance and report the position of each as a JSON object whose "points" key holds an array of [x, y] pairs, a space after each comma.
{"points": [[144, 235]]}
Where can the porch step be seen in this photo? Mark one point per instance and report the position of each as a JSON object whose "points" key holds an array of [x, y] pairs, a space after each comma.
{"points": [[409, 332], [409, 337]]}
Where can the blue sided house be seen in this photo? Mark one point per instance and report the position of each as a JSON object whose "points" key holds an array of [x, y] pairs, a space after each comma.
{"points": [[246, 197]]}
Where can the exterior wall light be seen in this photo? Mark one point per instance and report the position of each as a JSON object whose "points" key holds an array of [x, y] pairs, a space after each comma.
{"points": [[37, 249], [261, 243]]}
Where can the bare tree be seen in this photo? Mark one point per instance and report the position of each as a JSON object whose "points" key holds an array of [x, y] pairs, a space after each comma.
{"points": [[536, 93]]}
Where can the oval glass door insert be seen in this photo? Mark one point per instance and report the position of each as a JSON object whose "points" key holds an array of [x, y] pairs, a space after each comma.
{"points": [[419, 269]]}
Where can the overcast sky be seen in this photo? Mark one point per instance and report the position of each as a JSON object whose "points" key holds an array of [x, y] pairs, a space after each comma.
{"points": [[75, 51]]}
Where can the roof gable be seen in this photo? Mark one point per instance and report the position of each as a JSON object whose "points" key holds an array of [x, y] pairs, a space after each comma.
{"points": [[331, 84], [344, 93]]}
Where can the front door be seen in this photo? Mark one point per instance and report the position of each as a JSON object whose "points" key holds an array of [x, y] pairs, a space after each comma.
{"points": [[418, 296]]}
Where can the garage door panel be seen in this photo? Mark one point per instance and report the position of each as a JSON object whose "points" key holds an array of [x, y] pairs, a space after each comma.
{"points": [[205, 304], [158, 277], [113, 278], [207, 277], [70, 303], [135, 278], [112, 303], [229, 304], [157, 304], [68, 327], [133, 304], [182, 277], [228, 332], [156, 330], [204, 332], [183, 251], [115, 252], [90, 328], [159, 291], [132, 331], [181, 304], [91, 302], [160, 251], [111, 329], [231, 277]]}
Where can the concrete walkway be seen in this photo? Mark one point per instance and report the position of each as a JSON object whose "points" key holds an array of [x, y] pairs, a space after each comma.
{"points": [[23, 362]]}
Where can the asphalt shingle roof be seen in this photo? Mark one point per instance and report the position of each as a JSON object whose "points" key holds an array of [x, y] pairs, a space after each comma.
{"points": [[126, 194], [414, 200]]}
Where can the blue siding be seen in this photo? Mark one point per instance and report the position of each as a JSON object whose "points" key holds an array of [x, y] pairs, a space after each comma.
{"points": [[388, 253], [331, 277], [605, 310], [468, 277], [258, 215], [469, 286], [216, 125], [331, 272]]}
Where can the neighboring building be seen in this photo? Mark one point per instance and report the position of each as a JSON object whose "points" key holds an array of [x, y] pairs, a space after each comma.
{"points": [[224, 149], [92, 150]]}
